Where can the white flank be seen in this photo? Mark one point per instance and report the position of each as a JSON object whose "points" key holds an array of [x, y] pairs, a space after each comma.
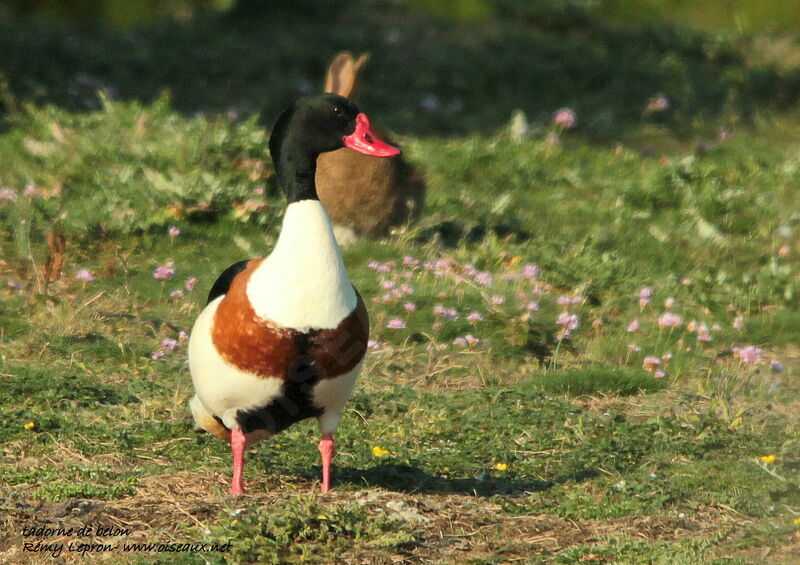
{"points": [[303, 284], [221, 387], [331, 395]]}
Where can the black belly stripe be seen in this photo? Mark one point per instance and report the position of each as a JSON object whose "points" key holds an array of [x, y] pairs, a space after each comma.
{"points": [[293, 405]]}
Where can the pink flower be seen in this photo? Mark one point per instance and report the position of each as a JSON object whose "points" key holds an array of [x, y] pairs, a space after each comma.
{"points": [[387, 285], [563, 300], [703, 333], [409, 261], [8, 194], [30, 191], [643, 302], [484, 279], [776, 366], [532, 306], [564, 118], [443, 266], [659, 374], [373, 345], [259, 190], [430, 103], [474, 317], [633, 348], [467, 340], [189, 283], [530, 271], [669, 320], [182, 336], [646, 292], [633, 326], [568, 321], [667, 357], [173, 231], [170, 344], [784, 251], [497, 299], [651, 363], [385, 299], [410, 307], [446, 313], [84, 275], [396, 324], [657, 103], [157, 355], [178, 293], [748, 354], [163, 272], [381, 267]]}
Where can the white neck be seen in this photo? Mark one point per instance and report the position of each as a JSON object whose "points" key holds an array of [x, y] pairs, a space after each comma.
{"points": [[303, 283]]}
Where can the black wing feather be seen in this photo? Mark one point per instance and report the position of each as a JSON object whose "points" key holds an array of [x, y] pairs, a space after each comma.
{"points": [[223, 282]]}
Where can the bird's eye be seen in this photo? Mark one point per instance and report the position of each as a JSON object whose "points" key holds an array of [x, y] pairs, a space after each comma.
{"points": [[337, 110]]}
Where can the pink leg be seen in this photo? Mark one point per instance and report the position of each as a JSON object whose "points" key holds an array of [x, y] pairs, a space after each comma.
{"points": [[326, 450], [238, 444]]}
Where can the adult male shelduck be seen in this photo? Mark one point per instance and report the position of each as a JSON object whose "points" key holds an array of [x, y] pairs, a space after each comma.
{"points": [[282, 338]]}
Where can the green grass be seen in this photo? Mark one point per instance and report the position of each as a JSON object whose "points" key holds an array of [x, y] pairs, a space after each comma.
{"points": [[599, 380], [500, 435]]}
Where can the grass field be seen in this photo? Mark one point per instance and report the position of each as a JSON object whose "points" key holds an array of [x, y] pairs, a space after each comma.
{"points": [[586, 351]]}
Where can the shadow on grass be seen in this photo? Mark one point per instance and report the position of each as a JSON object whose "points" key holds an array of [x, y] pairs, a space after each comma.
{"points": [[451, 234], [410, 479]]}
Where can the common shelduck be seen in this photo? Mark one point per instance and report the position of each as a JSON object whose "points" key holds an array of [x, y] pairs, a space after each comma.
{"points": [[282, 338]]}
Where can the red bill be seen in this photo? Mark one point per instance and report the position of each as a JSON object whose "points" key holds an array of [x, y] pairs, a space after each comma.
{"points": [[366, 142]]}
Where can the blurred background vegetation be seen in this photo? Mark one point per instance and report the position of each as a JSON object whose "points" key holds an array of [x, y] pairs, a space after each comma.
{"points": [[442, 67], [712, 14]]}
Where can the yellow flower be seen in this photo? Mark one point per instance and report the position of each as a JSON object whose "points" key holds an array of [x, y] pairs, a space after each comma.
{"points": [[796, 521], [768, 458], [29, 425], [379, 451], [501, 466]]}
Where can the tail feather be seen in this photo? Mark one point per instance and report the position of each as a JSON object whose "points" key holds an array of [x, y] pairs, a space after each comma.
{"points": [[204, 420]]}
